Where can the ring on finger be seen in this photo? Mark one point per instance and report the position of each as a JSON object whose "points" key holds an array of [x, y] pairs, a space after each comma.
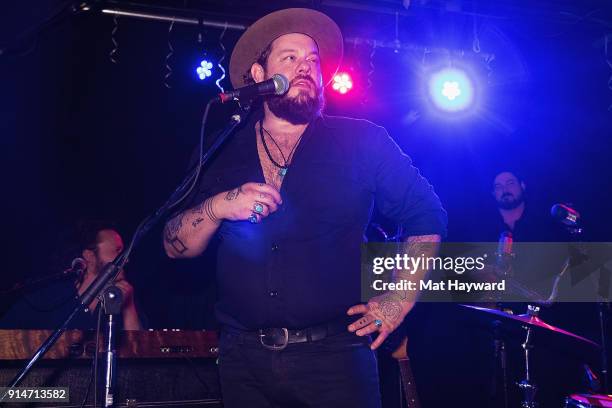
{"points": [[258, 207], [253, 218], [378, 323]]}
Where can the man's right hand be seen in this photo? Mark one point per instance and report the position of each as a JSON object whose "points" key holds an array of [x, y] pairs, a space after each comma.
{"points": [[244, 201]]}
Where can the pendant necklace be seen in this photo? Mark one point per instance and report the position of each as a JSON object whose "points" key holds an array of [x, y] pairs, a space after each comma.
{"points": [[282, 168]]}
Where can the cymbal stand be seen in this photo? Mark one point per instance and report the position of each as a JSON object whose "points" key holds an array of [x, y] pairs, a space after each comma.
{"points": [[529, 389], [603, 318], [501, 363]]}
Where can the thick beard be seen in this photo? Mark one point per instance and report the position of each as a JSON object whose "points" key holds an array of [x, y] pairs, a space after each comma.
{"points": [[512, 204], [298, 110]]}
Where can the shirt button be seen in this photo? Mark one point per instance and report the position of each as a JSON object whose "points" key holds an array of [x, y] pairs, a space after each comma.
{"points": [[273, 293], [274, 247]]}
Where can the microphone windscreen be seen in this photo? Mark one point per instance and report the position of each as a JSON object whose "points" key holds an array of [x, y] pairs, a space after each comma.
{"points": [[557, 211], [78, 264], [281, 84]]}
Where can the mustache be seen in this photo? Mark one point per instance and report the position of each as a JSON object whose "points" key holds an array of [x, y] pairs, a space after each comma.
{"points": [[303, 78]]}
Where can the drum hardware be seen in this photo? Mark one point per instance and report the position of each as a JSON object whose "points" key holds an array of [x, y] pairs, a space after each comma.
{"points": [[588, 401], [529, 321], [532, 320], [501, 357], [591, 379], [529, 389], [570, 218], [603, 319]]}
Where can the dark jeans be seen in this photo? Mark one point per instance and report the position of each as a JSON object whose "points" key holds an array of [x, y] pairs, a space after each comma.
{"points": [[335, 372]]}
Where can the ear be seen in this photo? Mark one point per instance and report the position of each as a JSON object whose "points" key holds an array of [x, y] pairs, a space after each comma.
{"points": [[257, 72]]}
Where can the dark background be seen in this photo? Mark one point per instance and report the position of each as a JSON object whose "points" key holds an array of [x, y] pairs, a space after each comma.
{"points": [[85, 137]]}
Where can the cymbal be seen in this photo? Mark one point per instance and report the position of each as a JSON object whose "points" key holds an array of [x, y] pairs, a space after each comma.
{"points": [[533, 321]]}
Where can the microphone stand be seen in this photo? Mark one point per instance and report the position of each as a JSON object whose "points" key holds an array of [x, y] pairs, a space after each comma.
{"points": [[111, 302], [112, 269]]}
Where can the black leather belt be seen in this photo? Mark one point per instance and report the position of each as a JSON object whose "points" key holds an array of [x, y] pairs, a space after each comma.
{"points": [[277, 338]]}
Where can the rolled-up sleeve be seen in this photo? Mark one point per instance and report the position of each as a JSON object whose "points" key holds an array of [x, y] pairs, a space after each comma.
{"points": [[402, 194]]}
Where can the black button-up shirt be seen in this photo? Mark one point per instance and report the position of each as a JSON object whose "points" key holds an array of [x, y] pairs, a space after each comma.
{"points": [[301, 265]]}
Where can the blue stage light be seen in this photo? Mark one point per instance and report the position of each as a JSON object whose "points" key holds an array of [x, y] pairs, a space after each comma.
{"points": [[451, 90], [204, 70]]}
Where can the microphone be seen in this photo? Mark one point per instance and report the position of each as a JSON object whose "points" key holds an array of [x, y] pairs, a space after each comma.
{"points": [[77, 267], [566, 214], [504, 252], [277, 85], [504, 246], [505, 268]]}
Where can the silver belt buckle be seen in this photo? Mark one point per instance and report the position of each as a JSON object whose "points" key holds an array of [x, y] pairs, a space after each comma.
{"points": [[275, 347]]}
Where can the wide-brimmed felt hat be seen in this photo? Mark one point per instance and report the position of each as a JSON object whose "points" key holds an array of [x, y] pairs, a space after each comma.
{"points": [[322, 29]]}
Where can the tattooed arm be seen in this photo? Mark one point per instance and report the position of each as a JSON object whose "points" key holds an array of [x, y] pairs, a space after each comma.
{"points": [[187, 234], [393, 306]]}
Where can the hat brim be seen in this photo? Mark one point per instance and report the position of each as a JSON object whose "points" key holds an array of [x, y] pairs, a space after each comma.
{"points": [[322, 29]]}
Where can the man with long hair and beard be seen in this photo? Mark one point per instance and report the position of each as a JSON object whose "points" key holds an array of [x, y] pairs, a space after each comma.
{"points": [[509, 193], [47, 304], [289, 197], [527, 221]]}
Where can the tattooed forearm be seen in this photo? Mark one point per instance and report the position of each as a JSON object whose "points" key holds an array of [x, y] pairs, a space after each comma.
{"points": [[422, 245], [205, 207], [173, 227], [178, 245], [198, 209], [418, 246], [188, 233], [170, 233], [208, 207], [414, 247]]}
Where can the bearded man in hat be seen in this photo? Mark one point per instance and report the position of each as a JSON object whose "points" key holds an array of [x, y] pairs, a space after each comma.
{"points": [[289, 197]]}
